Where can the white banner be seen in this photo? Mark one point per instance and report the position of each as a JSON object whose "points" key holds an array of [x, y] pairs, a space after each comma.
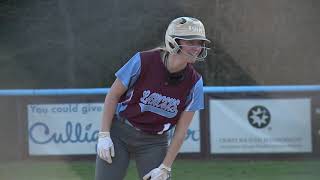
{"points": [[260, 126], [71, 129], [63, 129], [191, 142]]}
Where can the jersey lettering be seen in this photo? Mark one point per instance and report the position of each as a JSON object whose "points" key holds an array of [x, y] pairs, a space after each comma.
{"points": [[159, 104]]}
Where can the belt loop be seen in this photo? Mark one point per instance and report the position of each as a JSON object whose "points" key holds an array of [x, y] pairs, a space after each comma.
{"points": [[127, 122]]}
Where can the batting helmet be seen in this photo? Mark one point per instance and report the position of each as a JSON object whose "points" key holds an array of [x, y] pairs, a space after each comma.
{"points": [[186, 28]]}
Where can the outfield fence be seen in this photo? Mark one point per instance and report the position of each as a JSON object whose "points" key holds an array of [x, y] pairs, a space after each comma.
{"points": [[237, 122]]}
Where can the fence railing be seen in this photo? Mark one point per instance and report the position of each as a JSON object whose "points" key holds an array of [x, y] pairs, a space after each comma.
{"points": [[207, 89]]}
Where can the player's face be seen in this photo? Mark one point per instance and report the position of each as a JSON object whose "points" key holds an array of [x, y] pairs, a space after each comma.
{"points": [[191, 48]]}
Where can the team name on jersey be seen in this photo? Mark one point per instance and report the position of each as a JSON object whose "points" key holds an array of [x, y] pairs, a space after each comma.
{"points": [[159, 104]]}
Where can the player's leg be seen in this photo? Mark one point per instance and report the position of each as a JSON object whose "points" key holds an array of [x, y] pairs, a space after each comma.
{"points": [[150, 153], [118, 168]]}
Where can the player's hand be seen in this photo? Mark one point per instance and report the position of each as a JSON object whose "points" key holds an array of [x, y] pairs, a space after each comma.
{"points": [[105, 148], [160, 173]]}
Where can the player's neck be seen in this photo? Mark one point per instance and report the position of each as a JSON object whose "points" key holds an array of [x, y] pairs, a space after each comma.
{"points": [[174, 63]]}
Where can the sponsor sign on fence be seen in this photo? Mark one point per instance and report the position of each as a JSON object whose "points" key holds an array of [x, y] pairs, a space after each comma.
{"points": [[260, 126], [71, 129]]}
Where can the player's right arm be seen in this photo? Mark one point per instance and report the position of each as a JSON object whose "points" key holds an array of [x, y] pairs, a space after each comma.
{"points": [[126, 77], [105, 147], [110, 103]]}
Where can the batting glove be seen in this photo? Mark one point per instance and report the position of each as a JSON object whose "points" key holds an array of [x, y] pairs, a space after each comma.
{"points": [[160, 173], [105, 148]]}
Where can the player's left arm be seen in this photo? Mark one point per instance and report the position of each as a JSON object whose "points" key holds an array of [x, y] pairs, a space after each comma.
{"points": [[164, 170], [178, 137], [195, 102]]}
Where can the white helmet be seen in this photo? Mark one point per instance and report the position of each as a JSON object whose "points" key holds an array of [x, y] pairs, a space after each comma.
{"points": [[186, 28]]}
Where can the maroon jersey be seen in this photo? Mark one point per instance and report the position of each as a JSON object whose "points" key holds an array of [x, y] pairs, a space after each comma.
{"points": [[150, 103]]}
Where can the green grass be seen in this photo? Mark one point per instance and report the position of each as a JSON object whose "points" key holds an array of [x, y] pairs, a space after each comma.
{"points": [[182, 170]]}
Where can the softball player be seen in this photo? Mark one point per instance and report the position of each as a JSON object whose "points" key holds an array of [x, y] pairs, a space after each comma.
{"points": [[153, 92]]}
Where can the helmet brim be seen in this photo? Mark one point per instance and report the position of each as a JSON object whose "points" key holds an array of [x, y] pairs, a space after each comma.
{"points": [[192, 37]]}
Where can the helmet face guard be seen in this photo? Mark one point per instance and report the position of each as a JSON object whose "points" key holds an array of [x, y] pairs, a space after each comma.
{"points": [[202, 55], [185, 28]]}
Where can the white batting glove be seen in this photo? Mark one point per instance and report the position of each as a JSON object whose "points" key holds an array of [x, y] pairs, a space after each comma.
{"points": [[105, 148], [160, 173]]}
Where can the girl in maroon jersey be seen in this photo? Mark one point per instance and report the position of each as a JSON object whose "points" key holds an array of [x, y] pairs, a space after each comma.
{"points": [[154, 91]]}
